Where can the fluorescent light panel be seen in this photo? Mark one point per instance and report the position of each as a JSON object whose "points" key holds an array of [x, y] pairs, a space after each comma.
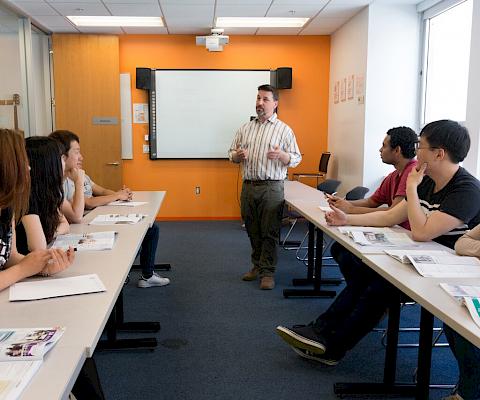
{"points": [[260, 22], [97, 21]]}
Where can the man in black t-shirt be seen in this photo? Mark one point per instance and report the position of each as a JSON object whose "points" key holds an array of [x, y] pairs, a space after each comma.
{"points": [[442, 203]]}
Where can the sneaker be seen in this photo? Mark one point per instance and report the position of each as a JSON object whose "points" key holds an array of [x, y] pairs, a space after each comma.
{"points": [[303, 338], [454, 396], [154, 280], [251, 275], [324, 359]]}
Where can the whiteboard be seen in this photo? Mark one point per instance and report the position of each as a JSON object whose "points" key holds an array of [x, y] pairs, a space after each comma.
{"points": [[197, 112]]}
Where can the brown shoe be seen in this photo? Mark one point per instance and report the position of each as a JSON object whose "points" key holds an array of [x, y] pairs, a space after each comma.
{"points": [[267, 283], [251, 275]]}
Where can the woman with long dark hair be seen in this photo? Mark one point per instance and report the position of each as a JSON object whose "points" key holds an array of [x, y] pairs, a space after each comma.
{"points": [[14, 196], [43, 220]]}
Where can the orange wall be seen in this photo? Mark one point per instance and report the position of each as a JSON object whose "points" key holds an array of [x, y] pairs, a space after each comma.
{"points": [[304, 108]]}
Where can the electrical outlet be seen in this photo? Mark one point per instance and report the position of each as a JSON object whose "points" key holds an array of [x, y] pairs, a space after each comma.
{"points": [[197, 189], [146, 148], [146, 138]]}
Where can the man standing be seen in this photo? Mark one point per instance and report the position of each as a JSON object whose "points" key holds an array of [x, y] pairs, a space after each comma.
{"points": [[265, 147]]}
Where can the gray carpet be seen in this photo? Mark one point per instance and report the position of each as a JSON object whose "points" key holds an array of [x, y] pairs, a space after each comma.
{"points": [[218, 336]]}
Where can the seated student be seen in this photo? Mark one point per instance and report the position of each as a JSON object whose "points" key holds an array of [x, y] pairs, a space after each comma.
{"points": [[467, 355], [398, 149], [443, 202], [14, 195], [94, 195], [43, 221]]}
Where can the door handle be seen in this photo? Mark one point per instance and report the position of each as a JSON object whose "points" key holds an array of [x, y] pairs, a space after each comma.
{"points": [[114, 164]]}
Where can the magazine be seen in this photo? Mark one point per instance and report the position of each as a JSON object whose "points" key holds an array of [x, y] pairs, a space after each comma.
{"points": [[445, 266], [379, 237], [114, 219], [460, 291], [27, 343], [402, 255], [86, 241], [473, 307], [14, 377]]}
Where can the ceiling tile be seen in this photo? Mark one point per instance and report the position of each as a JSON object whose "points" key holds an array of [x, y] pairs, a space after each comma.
{"points": [[134, 30], [299, 11], [80, 9], [323, 26], [245, 2], [132, 2], [135, 10], [74, 1], [319, 3], [36, 8], [53, 20], [278, 31], [188, 2], [243, 10], [185, 30], [340, 11]]}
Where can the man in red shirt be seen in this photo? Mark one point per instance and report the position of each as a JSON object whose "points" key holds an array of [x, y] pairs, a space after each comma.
{"points": [[398, 149]]}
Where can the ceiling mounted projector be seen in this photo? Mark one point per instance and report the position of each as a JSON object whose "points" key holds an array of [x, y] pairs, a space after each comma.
{"points": [[214, 42]]}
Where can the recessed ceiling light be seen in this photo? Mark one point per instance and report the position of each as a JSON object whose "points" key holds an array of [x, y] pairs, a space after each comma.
{"points": [[260, 22], [97, 21]]}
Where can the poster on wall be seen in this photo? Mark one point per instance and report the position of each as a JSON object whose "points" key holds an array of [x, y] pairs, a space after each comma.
{"points": [[336, 92], [360, 86], [140, 113], [350, 86], [343, 89]]}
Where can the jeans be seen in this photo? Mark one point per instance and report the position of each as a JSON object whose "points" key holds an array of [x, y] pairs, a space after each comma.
{"points": [[148, 250], [358, 307], [468, 359], [262, 209]]}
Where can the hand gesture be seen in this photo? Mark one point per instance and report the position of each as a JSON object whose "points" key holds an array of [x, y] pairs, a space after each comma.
{"points": [[124, 195], [336, 217], [77, 175], [275, 153], [35, 262], [415, 177], [242, 154], [59, 261], [339, 203]]}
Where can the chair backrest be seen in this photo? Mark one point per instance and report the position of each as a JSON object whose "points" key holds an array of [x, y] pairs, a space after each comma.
{"points": [[357, 193], [323, 164], [329, 186]]}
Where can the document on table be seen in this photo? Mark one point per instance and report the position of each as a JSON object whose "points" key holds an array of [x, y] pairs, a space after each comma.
{"points": [[86, 241], [449, 266], [115, 219], [402, 255], [15, 376], [379, 237], [127, 203], [47, 288], [461, 291], [325, 208]]}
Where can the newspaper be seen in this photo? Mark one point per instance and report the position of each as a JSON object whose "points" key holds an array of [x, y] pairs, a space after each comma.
{"points": [[27, 343], [379, 237], [449, 266], [86, 241], [460, 291], [125, 203], [402, 255], [114, 219]]}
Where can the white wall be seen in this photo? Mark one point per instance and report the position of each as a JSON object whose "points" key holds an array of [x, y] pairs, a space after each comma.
{"points": [[473, 97], [382, 43], [348, 55], [392, 80], [11, 81]]}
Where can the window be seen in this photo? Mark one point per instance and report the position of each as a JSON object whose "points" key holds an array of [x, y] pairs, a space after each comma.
{"points": [[446, 61]]}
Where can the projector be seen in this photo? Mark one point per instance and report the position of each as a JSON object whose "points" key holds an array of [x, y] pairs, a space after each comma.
{"points": [[214, 42]]}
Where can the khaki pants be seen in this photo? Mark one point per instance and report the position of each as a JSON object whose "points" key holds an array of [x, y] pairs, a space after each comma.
{"points": [[262, 208]]}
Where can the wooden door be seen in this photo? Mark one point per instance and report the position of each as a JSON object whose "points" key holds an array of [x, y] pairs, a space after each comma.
{"points": [[87, 86]]}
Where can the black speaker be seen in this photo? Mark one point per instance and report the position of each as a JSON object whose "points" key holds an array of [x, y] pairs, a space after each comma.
{"points": [[143, 78], [284, 78]]}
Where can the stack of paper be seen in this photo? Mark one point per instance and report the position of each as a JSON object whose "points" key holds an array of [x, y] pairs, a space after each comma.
{"points": [[86, 241], [21, 355], [127, 203], [402, 255], [460, 291], [114, 219], [56, 287]]}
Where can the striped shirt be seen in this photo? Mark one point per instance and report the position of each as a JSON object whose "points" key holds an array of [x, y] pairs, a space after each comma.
{"points": [[258, 138]]}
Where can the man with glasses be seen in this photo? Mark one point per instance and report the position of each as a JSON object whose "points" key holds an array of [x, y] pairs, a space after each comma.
{"points": [[442, 203]]}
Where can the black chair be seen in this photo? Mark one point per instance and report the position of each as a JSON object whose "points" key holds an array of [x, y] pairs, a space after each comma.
{"points": [[329, 186], [357, 193], [322, 169]]}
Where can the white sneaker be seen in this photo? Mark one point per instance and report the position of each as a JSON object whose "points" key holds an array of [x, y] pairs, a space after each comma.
{"points": [[154, 280]]}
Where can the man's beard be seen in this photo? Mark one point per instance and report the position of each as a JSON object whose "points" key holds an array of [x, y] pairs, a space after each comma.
{"points": [[260, 112]]}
